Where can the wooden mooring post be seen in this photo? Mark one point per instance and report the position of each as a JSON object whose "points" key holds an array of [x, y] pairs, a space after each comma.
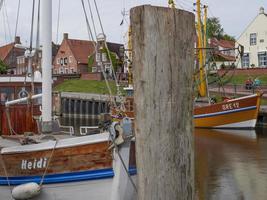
{"points": [[163, 59]]}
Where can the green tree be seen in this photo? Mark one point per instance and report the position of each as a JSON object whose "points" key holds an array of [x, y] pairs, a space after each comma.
{"points": [[3, 67], [214, 29], [114, 60], [91, 61], [228, 37]]}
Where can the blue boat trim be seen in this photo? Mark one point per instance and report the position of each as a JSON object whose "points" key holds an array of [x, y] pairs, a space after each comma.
{"points": [[64, 177], [225, 112]]}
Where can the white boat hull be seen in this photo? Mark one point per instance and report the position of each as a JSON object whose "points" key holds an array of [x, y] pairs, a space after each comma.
{"points": [[92, 189]]}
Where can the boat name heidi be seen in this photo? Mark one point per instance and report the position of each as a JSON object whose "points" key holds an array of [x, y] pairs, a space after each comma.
{"points": [[34, 164], [230, 106]]}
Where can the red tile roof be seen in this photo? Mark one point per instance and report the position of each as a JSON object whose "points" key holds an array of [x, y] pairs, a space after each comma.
{"points": [[81, 49], [5, 50], [226, 57], [222, 43]]}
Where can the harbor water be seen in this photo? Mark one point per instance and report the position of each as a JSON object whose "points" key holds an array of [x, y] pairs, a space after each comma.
{"points": [[229, 164]]}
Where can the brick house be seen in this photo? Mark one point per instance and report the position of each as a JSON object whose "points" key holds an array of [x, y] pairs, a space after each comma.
{"points": [[73, 55], [15, 59], [223, 54], [22, 61], [9, 54]]}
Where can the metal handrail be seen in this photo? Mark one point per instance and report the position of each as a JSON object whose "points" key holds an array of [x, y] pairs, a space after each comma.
{"points": [[84, 129]]}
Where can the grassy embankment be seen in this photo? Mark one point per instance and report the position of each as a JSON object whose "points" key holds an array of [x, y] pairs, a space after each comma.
{"points": [[99, 87], [86, 86], [240, 79]]}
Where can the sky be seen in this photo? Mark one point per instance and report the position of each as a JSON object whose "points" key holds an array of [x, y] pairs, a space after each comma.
{"points": [[234, 15]]}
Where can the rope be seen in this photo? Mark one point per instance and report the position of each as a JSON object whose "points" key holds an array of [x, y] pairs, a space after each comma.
{"points": [[123, 164], [87, 22], [11, 130], [5, 171], [32, 22], [100, 22], [17, 19], [91, 37], [106, 46], [1, 4], [58, 16], [48, 163], [109, 56], [92, 17], [7, 21]]}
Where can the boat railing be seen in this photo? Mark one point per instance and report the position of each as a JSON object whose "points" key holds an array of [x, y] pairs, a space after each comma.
{"points": [[65, 129], [85, 130]]}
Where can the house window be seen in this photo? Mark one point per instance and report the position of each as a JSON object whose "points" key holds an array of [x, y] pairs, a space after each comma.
{"points": [[66, 70], [58, 61], [70, 59], [262, 57], [107, 69], [98, 57], [72, 70], [61, 61], [61, 70], [245, 60], [104, 57], [65, 61], [253, 39], [94, 69]]}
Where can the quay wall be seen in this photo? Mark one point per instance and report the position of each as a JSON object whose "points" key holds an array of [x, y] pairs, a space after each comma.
{"points": [[81, 105], [246, 71]]}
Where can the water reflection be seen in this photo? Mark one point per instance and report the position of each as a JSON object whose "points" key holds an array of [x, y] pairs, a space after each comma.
{"points": [[230, 164]]}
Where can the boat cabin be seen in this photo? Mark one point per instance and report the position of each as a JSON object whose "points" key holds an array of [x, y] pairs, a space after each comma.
{"points": [[18, 118]]}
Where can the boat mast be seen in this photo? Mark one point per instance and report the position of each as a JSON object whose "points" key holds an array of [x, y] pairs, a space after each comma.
{"points": [[130, 57], [202, 84], [1, 4], [205, 52], [205, 34], [46, 39]]}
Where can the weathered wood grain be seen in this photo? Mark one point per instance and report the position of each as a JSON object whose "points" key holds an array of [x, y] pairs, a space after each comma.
{"points": [[163, 59], [21, 118], [69, 159]]}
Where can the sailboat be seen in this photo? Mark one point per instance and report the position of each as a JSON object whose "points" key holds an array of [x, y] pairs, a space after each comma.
{"points": [[235, 113], [238, 113], [56, 166]]}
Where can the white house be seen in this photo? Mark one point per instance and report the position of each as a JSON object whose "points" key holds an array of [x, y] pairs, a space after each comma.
{"points": [[254, 40]]}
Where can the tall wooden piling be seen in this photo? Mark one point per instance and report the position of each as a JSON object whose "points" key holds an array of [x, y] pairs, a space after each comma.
{"points": [[163, 59]]}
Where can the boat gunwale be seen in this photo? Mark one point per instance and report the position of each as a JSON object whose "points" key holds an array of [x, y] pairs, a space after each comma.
{"points": [[61, 143]]}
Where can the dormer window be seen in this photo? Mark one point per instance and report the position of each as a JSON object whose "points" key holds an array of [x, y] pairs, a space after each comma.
{"points": [[253, 39]]}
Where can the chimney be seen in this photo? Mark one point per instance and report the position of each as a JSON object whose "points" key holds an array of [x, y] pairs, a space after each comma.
{"points": [[17, 40], [65, 36], [261, 10]]}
